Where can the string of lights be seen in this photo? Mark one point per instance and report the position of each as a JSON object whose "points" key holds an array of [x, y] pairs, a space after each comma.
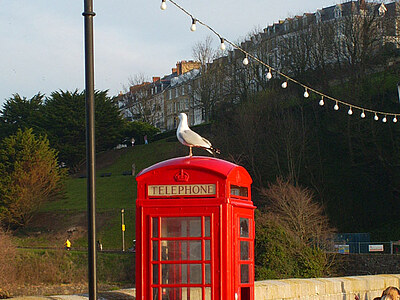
{"points": [[377, 115]]}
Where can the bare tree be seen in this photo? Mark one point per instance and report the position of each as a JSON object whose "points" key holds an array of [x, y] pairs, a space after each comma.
{"points": [[141, 100], [206, 88], [295, 209]]}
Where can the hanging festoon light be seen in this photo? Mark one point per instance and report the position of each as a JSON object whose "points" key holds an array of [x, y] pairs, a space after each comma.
{"points": [[350, 111], [336, 107], [306, 94], [269, 74], [286, 78], [163, 5], [246, 61], [193, 27], [222, 46]]}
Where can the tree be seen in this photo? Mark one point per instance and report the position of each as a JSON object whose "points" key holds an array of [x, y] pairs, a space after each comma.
{"points": [[279, 255], [64, 122], [20, 112], [29, 176], [140, 101], [207, 87], [298, 213], [292, 237]]}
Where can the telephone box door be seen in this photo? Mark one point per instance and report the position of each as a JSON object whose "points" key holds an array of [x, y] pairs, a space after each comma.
{"points": [[244, 253], [182, 254]]}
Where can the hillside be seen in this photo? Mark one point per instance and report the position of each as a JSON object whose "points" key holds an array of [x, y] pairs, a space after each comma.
{"points": [[114, 191]]}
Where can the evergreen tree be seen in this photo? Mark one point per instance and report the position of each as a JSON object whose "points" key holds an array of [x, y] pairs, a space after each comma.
{"points": [[29, 176]]}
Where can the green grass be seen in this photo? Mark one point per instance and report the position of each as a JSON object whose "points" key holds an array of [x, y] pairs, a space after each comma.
{"points": [[112, 194]]}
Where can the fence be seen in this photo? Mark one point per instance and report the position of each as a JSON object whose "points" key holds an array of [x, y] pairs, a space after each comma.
{"points": [[368, 247]]}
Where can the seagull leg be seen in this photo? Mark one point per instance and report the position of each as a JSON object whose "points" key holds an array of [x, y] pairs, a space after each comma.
{"points": [[190, 151]]}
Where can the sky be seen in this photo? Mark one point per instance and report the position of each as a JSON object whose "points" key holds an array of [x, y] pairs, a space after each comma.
{"points": [[42, 41]]}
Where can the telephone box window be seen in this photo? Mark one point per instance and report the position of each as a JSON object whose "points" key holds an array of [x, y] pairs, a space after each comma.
{"points": [[207, 226], [185, 246], [181, 227], [195, 274], [244, 273], [155, 227], [239, 191], [155, 274], [155, 250], [174, 273], [155, 293], [244, 227], [244, 250]]}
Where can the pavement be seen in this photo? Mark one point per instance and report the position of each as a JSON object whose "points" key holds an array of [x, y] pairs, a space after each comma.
{"points": [[125, 294]]}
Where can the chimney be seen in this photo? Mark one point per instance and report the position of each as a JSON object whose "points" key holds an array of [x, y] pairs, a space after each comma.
{"points": [[174, 70], [155, 79]]}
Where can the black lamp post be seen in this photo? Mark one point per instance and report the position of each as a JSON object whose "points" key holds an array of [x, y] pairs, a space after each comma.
{"points": [[90, 146]]}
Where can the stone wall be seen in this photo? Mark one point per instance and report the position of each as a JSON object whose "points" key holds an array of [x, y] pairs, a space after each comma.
{"points": [[338, 288]]}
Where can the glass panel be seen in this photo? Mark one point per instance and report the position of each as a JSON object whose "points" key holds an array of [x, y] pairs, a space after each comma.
{"points": [[155, 294], [155, 274], [207, 226], [181, 227], [155, 227], [155, 250], [195, 274], [244, 227], [194, 250], [195, 293], [207, 249], [244, 273], [195, 227], [239, 191], [244, 250], [174, 273], [174, 250], [174, 294], [207, 293], [208, 274]]}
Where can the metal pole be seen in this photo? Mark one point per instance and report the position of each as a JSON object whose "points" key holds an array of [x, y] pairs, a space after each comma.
{"points": [[90, 146], [123, 229]]}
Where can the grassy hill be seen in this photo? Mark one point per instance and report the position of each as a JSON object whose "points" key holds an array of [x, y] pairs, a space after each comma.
{"points": [[59, 219]]}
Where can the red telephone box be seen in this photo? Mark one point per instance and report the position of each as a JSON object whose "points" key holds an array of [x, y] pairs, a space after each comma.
{"points": [[194, 231]]}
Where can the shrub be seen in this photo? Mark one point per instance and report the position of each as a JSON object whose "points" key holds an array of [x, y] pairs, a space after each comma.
{"points": [[7, 262]]}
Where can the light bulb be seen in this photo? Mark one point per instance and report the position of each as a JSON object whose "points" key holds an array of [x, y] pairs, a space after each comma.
{"points": [[321, 102], [384, 120], [284, 85], [350, 111], [222, 46], [163, 5], [306, 94], [376, 118], [193, 27], [394, 119], [269, 74], [336, 107], [362, 115], [246, 61]]}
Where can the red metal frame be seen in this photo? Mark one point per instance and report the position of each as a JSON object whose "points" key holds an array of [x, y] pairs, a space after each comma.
{"points": [[169, 180]]}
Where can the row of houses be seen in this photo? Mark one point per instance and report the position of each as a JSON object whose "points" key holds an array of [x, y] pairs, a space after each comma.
{"points": [[280, 45]]}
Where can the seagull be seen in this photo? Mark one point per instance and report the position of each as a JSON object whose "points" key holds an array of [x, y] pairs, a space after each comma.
{"points": [[190, 138]]}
